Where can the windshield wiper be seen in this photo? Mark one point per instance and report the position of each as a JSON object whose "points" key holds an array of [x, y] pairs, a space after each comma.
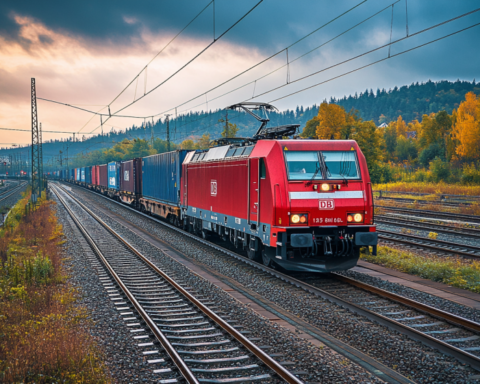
{"points": [[308, 183], [321, 167]]}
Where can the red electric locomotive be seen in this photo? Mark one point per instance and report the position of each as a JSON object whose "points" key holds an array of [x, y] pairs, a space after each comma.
{"points": [[305, 205]]}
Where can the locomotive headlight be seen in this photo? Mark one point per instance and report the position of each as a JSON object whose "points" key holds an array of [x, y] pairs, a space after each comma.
{"points": [[325, 187], [349, 218], [295, 219], [303, 219], [358, 217]]}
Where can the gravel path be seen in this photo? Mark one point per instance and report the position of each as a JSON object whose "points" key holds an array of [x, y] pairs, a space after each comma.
{"points": [[314, 364], [408, 357]]}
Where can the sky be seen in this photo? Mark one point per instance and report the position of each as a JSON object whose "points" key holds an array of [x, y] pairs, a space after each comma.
{"points": [[85, 53]]}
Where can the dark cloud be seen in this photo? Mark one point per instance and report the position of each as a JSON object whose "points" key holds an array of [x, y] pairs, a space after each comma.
{"points": [[272, 26]]}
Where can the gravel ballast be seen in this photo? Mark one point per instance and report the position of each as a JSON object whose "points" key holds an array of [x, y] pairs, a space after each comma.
{"points": [[408, 357], [124, 358]]}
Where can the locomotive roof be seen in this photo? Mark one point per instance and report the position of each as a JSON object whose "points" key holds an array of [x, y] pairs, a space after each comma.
{"points": [[264, 146]]}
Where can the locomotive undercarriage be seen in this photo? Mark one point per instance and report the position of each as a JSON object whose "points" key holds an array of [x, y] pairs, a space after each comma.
{"points": [[321, 249], [298, 249]]}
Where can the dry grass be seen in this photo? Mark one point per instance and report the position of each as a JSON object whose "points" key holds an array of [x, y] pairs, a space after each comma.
{"points": [[43, 332], [473, 209], [431, 188]]}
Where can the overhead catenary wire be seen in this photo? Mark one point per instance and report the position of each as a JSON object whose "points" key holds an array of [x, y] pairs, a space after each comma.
{"points": [[378, 61], [394, 42], [365, 66], [342, 62], [188, 63], [280, 67], [163, 49], [221, 84], [374, 50], [266, 59]]}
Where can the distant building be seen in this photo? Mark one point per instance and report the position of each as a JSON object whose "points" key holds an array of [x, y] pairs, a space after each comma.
{"points": [[383, 125], [411, 134]]}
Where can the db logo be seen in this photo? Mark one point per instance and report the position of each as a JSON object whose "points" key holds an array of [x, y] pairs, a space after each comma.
{"points": [[326, 204], [213, 188]]}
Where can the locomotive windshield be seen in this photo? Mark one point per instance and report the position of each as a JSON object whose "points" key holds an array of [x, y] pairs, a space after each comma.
{"points": [[321, 165]]}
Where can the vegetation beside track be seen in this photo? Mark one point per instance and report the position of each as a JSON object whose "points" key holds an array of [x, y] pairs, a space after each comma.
{"points": [[456, 272], [472, 209], [43, 333], [430, 188]]}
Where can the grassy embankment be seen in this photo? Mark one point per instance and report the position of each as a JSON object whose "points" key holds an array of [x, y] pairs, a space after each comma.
{"points": [[456, 272], [43, 336]]}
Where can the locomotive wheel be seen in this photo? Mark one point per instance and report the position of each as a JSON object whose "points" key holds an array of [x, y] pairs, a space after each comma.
{"points": [[255, 255], [265, 257], [205, 235]]}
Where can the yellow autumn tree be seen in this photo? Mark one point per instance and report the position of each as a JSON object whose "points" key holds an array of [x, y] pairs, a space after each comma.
{"points": [[467, 127], [401, 127], [332, 118], [204, 141]]}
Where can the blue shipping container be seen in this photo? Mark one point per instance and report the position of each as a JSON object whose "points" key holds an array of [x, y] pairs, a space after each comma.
{"points": [[88, 175], [78, 176], [161, 176], [71, 174], [114, 175], [82, 174]]}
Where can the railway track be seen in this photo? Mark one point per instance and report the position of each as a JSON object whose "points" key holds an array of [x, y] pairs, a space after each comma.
{"points": [[422, 226], [432, 245], [381, 307], [433, 214], [197, 344], [10, 192], [424, 202]]}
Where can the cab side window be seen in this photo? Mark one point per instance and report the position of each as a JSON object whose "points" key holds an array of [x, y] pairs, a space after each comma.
{"points": [[263, 170]]}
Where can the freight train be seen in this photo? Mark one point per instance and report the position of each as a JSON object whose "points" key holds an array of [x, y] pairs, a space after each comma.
{"points": [[303, 205]]}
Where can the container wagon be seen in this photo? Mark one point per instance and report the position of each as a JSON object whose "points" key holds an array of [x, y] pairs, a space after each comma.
{"points": [[130, 181], [94, 176], [103, 178], [88, 176], [161, 176]]}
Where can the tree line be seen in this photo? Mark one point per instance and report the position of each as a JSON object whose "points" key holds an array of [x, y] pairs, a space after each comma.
{"points": [[448, 145]]}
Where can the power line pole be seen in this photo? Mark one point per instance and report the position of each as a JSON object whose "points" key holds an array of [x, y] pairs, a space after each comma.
{"points": [[40, 162], [167, 120], [152, 133], [67, 156], [35, 146]]}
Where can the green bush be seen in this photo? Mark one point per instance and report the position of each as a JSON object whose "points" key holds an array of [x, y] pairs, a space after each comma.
{"points": [[380, 173], [431, 152], [471, 174], [440, 170]]}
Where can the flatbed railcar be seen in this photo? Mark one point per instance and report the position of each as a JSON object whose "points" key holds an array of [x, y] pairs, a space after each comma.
{"points": [[304, 205]]}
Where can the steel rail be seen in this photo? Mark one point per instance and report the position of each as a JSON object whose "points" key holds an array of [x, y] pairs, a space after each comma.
{"points": [[432, 311], [424, 202], [414, 334], [434, 214], [464, 232], [12, 191], [178, 361], [265, 358], [415, 241]]}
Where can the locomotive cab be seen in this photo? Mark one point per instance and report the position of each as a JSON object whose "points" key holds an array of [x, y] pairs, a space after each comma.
{"points": [[322, 203]]}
